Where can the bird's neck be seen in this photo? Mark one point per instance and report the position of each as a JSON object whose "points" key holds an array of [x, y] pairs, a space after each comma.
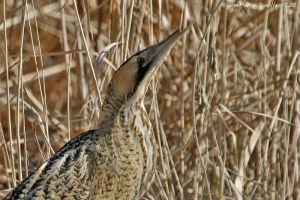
{"points": [[113, 106], [110, 108]]}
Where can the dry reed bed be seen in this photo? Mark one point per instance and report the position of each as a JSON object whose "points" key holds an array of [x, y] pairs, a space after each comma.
{"points": [[225, 105]]}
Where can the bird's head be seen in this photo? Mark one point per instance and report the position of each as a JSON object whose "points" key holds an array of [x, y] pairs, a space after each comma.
{"points": [[131, 80]]}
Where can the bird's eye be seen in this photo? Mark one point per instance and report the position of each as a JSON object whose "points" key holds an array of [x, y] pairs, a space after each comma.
{"points": [[140, 61]]}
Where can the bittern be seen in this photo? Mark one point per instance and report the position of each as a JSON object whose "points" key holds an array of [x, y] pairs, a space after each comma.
{"points": [[117, 160]]}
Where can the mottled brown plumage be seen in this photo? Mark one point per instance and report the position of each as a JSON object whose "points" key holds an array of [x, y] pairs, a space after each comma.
{"points": [[117, 160]]}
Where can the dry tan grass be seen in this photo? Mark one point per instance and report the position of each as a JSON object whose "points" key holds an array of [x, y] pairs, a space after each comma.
{"points": [[225, 105]]}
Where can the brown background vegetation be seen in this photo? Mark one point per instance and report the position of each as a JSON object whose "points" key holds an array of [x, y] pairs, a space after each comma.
{"points": [[225, 104]]}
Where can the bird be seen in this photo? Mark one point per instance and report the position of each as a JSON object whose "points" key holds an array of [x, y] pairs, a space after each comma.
{"points": [[117, 160]]}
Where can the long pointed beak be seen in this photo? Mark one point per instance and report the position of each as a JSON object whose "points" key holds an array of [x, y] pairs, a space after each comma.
{"points": [[164, 46], [152, 57], [155, 54]]}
